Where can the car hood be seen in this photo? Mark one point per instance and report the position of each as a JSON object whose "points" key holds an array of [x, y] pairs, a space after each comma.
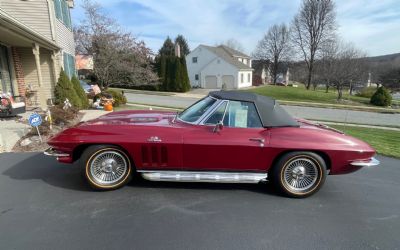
{"points": [[333, 135], [315, 125], [134, 117]]}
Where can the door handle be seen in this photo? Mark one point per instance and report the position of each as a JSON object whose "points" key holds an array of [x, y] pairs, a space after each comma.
{"points": [[260, 140]]}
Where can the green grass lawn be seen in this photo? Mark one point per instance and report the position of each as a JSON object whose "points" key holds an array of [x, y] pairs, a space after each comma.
{"points": [[301, 94], [386, 142]]}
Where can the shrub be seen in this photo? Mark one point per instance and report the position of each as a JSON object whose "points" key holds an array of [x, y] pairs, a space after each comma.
{"points": [[84, 102], [119, 98], [367, 92], [64, 90], [61, 116], [381, 97]]}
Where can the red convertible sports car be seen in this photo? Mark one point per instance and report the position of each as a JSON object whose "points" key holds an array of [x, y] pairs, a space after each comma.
{"points": [[228, 137]]}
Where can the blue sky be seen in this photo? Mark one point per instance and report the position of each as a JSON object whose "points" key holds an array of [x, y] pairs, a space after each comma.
{"points": [[372, 25]]}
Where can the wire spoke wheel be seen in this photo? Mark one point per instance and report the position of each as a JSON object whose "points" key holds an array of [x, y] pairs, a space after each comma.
{"points": [[108, 167], [300, 175]]}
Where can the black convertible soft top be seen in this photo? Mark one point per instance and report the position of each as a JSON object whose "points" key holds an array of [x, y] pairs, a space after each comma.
{"points": [[271, 113]]}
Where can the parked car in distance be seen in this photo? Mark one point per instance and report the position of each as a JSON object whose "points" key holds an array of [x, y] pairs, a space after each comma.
{"points": [[86, 87], [228, 137]]}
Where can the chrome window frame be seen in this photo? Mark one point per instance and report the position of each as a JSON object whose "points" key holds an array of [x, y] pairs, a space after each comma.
{"points": [[211, 109], [202, 122], [203, 118], [221, 102]]}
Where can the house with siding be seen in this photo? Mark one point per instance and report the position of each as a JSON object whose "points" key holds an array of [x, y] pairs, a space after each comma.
{"points": [[36, 41], [212, 67]]}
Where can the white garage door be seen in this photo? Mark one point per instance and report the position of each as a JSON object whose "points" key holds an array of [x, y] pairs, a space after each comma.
{"points": [[211, 82], [229, 81]]}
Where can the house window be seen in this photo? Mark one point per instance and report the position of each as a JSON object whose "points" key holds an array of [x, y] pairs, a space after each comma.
{"points": [[196, 77], [248, 77], [62, 12], [194, 59], [69, 65], [241, 77]]}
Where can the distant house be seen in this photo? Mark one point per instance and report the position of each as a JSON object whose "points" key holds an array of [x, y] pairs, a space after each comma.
{"points": [[36, 41], [261, 74], [284, 75], [84, 65], [212, 67]]}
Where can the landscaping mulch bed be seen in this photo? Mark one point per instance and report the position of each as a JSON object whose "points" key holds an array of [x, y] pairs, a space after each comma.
{"points": [[61, 120]]}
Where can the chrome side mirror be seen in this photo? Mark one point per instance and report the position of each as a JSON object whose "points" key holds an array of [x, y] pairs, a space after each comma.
{"points": [[218, 127]]}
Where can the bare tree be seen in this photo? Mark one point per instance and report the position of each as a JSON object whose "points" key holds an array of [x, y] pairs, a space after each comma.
{"points": [[312, 26], [324, 68], [233, 44], [274, 47], [118, 57], [347, 68]]}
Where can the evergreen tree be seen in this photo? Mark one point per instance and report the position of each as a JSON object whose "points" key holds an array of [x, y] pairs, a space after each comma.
{"points": [[178, 75], [171, 69], [84, 102], [170, 75], [181, 40], [168, 48], [185, 76], [382, 97], [65, 90], [162, 68]]}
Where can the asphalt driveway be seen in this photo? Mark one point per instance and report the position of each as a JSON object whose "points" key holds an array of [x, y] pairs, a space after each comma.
{"points": [[46, 205]]}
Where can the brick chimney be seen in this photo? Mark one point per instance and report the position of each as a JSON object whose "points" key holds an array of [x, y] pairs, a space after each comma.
{"points": [[177, 50]]}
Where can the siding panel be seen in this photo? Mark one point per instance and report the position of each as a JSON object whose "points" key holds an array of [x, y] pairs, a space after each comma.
{"points": [[47, 73], [33, 13], [65, 38]]}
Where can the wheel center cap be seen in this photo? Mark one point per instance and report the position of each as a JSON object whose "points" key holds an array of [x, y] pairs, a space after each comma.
{"points": [[108, 165], [299, 172]]}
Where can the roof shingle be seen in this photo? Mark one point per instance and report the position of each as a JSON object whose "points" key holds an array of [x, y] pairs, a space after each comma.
{"points": [[225, 53]]}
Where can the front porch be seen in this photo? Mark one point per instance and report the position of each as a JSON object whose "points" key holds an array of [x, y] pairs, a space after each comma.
{"points": [[29, 63]]}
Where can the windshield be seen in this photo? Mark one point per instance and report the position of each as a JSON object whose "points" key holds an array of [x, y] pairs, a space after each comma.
{"points": [[194, 112]]}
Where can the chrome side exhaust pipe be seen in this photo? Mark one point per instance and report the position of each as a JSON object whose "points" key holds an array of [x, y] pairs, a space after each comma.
{"points": [[218, 177]]}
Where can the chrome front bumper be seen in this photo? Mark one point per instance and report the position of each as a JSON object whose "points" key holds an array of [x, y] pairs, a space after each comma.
{"points": [[372, 162], [55, 153]]}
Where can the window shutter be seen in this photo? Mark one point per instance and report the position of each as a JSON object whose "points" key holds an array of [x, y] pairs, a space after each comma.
{"points": [[72, 65], [57, 7], [66, 64], [69, 17]]}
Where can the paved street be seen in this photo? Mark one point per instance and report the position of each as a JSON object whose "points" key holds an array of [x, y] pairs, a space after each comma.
{"points": [[46, 205], [323, 114]]}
